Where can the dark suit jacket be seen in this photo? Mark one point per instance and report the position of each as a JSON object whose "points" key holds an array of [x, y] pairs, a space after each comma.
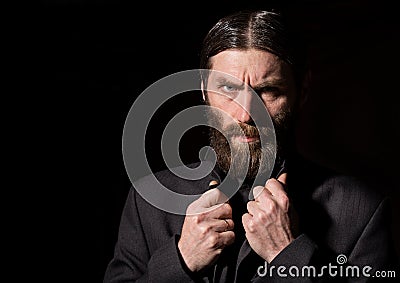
{"points": [[339, 215]]}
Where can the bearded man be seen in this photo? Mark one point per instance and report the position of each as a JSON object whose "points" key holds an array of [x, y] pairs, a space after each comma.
{"points": [[304, 216]]}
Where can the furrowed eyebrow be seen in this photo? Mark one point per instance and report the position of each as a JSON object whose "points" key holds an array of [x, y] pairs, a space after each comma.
{"points": [[224, 81], [274, 83]]}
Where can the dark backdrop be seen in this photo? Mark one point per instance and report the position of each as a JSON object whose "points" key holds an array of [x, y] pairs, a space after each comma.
{"points": [[96, 57]]}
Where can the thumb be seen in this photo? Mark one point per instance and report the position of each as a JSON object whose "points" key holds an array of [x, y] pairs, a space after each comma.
{"points": [[212, 197], [257, 191], [282, 178]]}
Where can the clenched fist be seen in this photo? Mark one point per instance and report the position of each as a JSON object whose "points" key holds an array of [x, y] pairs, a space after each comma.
{"points": [[267, 223], [207, 230]]}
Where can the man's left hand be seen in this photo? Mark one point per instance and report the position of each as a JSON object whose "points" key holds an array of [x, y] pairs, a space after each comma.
{"points": [[267, 222]]}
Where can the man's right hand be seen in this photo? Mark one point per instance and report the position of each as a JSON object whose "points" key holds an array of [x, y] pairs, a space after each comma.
{"points": [[207, 230]]}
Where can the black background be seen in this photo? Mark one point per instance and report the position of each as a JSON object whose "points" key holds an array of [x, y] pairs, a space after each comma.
{"points": [[96, 57]]}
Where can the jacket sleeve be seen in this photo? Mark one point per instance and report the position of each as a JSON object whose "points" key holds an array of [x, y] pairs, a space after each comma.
{"points": [[132, 261], [374, 248], [299, 253]]}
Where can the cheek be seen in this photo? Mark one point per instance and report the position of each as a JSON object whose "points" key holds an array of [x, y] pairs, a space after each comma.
{"points": [[220, 102], [214, 99], [276, 106]]}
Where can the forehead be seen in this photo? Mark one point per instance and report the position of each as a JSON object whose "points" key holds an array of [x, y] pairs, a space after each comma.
{"points": [[251, 66]]}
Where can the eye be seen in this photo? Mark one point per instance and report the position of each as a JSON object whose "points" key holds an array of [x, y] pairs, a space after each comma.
{"points": [[229, 88], [270, 92]]}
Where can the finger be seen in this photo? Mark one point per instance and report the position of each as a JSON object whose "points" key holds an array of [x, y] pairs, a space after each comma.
{"points": [[253, 207], [278, 193], [264, 196], [213, 184], [222, 225], [282, 178], [220, 211], [246, 220], [227, 238], [212, 197], [276, 188], [257, 191]]}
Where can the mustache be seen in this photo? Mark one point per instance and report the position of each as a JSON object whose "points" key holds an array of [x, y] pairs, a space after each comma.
{"points": [[246, 130]]}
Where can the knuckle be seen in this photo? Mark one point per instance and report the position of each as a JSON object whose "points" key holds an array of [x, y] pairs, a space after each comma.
{"points": [[228, 208], [262, 216], [213, 240], [217, 192], [231, 224], [272, 207], [285, 200], [286, 204], [251, 226], [204, 230], [198, 218], [268, 208]]}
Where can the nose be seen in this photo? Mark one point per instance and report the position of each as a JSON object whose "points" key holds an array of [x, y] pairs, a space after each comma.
{"points": [[243, 106]]}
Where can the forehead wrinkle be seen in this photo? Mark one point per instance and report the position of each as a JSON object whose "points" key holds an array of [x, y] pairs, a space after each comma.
{"points": [[249, 66], [237, 71], [272, 70]]}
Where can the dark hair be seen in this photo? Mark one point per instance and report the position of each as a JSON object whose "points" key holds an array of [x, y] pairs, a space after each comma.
{"points": [[263, 30]]}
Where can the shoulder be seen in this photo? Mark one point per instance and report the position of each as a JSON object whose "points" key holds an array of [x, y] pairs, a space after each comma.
{"points": [[347, 192], [336, 207], [172, 190], [339, 190], [187, 179]]}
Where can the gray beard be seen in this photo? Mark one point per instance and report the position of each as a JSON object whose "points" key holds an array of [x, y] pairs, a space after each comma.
{"points": [[261, 156]]}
